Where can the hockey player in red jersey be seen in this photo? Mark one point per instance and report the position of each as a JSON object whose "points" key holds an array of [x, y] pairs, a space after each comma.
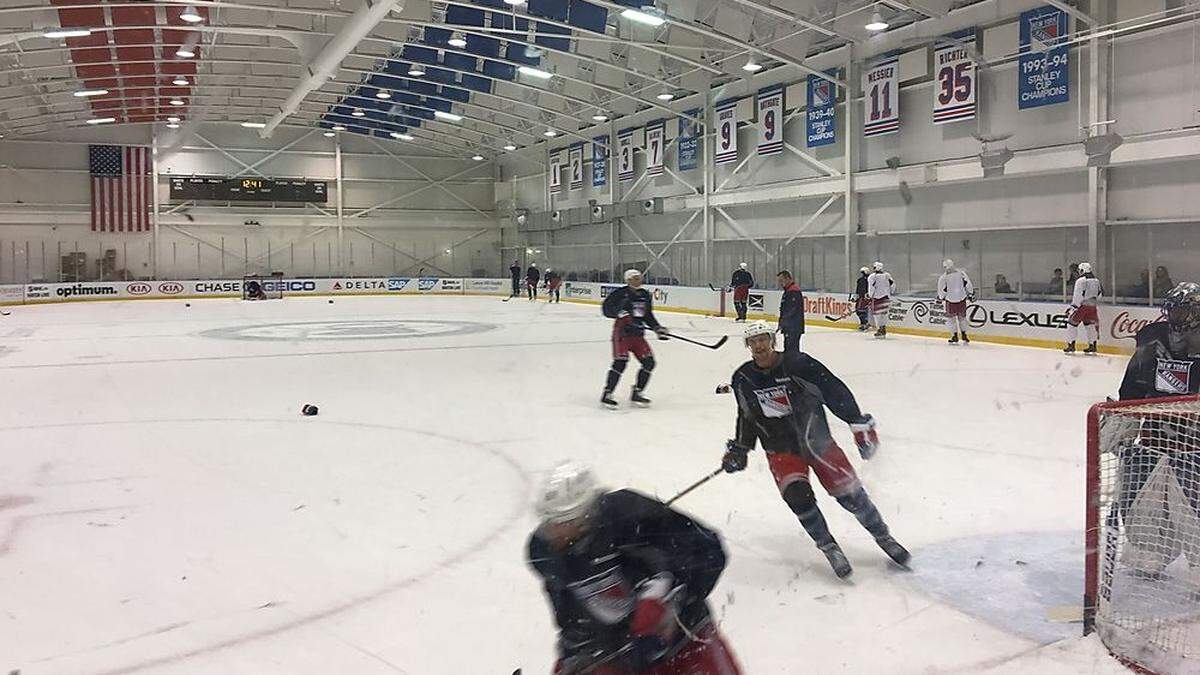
{"points": [[955, 290], [781, 399], [1083, 310], [627, 578], [633, 308]]}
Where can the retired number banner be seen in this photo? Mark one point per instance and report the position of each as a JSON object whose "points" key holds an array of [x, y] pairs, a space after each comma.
{"points": [[954, 80], [555, 173], [575, 162], [881, 107], [625, 155], [769, 104], [726, 150], [656, 135]]}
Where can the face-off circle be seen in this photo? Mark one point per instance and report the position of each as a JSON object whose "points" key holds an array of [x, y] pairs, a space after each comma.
{"points": [[382, 329]]}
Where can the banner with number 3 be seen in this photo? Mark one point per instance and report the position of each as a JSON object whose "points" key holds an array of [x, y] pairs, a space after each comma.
{"points": [[625, 155], [954, 80]]}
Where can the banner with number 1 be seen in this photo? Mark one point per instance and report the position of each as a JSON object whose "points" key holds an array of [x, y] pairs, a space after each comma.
{"points": [[881, 102]]}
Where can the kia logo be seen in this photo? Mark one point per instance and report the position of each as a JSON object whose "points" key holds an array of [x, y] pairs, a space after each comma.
{"points": [[170, 288], [1125, 326], [139, 288]]}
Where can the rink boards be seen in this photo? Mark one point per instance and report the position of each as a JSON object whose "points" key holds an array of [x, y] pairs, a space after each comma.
{"points": [[1032, 324]]}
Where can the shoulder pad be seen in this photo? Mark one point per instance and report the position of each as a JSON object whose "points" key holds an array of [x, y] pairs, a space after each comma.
{"points": [[1153, 332]]}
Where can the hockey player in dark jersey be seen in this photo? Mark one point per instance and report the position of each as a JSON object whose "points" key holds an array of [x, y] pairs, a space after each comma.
{"points": [[532, 276], [781, 399], [740, 282], [633, 309], [861, 299], [515, 271], [1166, 363], [627, 578]]}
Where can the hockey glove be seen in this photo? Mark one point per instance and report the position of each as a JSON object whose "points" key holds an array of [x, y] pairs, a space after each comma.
{"points": [[735, 457], [653, 620], [865, 436], [662, 333]]}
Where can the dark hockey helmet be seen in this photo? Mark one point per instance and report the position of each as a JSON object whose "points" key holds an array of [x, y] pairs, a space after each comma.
{"points": [[1182, 307]]}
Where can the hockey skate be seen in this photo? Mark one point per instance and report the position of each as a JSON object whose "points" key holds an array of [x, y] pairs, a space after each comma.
{"points": [[894, 550], [607, 400], [837, 560], [954, 338], [1070, 348], [1091, 348], [966, 341], [637, 398], [882, 332]]}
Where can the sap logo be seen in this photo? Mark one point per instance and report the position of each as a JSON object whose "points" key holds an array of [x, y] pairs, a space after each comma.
{"points": [[426, 283], [170, 288], [397, 284], [139, 288], [1125, 326], [290, 286], [218, 286]]}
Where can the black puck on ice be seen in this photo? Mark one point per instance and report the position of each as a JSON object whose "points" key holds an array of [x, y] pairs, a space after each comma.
{"points": [[331, 302], [187, 304], [308, 410]]}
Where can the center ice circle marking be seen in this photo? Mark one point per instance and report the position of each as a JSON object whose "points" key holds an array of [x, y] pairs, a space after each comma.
{"points": [[377, 329]]}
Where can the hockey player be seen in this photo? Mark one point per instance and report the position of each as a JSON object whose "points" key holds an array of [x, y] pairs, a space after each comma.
{"points": [[553, 281], [740, 282], [955, 290], [862, 301], [1158, 513], [791, 312], [1083, 310], [880, 287], [255, 290], [627, 578], [781, 403], [633, 309], [532, 275], [515, 271]]}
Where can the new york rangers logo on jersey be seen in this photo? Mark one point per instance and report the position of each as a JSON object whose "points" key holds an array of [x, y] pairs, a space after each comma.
{"points": [[606, 595], [1173, 377], [639, 309], [774, 401]]}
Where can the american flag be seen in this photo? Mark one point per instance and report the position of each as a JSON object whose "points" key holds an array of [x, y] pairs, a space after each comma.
{"points": [[120, 188]]}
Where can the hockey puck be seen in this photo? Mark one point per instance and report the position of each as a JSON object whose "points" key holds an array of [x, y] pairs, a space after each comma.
{"points": [[187, 304], [331, 302], [308, 410]]}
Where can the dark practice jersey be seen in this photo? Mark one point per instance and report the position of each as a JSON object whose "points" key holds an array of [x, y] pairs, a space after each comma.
{"points": [[741, 278], [784, 407], [533, 274], [791, 310], [630, 538], [515, 271], [637, 303], [860, 288], [1155, 370]]}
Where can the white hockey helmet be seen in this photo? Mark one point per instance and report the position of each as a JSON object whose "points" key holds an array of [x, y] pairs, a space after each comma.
{"points": [[756, 328], [878, 266], [948, 264], [631, 273], [533, 264], [863, 269], [549, 269], [742, 265], [568, 493], [1085, 267]]}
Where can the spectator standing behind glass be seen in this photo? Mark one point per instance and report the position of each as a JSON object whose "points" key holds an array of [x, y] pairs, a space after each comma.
{"points": [[1056, 282], [1002, 284], [1142, 288], [1162, 282], [1074, 275]]}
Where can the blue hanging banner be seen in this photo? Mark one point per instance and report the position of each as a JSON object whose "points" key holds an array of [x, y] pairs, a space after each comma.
{"points": [[600, 161], [822, 112], [1044, 66], [687, 144]]}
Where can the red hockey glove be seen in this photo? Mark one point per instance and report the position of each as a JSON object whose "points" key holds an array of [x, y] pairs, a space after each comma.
{"points": [[865, 436]]}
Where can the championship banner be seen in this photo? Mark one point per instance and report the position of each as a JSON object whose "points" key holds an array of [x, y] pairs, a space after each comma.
{"points": [[656, 135], [687, 142], [822, 110], [555, 173], [726, 150], [1045, 63], [625, 155], [575, 162], [954, 80], [600, 161], [881, 105], [769, 104]]}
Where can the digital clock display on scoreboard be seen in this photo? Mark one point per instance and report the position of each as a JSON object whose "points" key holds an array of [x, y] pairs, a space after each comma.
{"points": [[247, 189]]}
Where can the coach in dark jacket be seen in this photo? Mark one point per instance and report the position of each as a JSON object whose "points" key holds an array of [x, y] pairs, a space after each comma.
{"points": [[791, 312]]}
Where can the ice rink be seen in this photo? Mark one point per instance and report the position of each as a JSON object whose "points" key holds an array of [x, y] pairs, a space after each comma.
{"points": [[164, 508]]}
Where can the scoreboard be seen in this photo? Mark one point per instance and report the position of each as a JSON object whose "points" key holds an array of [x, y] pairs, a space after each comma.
{"points": [[247, 189]]}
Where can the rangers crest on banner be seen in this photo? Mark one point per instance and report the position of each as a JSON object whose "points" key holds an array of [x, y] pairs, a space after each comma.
{"points": [[575, 163], [881, 98], [954, 79], [769, 104], [1173, 377], [774, 401], [625, 155], [822, 109], [600, 161], [726, 140], [656, 137], [555, 173]]}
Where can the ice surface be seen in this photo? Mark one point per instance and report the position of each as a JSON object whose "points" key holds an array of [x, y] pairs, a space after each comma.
{"points": [[164, 508]]}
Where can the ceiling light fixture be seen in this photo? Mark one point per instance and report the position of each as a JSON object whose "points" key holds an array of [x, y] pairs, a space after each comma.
{"points": [[176, 101], [385, 95], [172, 119], [752, 66], [665, 96], [102, 120], [449, 117], [91, 92], [67, 33], [477, 158], [534, 72], [457, 39], [185, 52], [403, 137], [510, 147], [877, 23], [254, 125], [180, 81], [599, 117], [415, 70], [514, 3], [338, 127], [643, 17], [549, 133], [190, 15], [172, 125], [358, 113]]}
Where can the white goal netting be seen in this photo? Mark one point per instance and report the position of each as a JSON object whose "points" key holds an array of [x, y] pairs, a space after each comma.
{"points": [[1143, 574]]}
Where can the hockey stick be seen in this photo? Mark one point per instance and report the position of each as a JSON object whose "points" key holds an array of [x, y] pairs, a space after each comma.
{"points": [[715, 289], [695, 485], [840, 316], [715, 345]]}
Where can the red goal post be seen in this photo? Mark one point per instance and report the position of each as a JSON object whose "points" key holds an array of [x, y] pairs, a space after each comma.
{"points": [[1142, 537]]}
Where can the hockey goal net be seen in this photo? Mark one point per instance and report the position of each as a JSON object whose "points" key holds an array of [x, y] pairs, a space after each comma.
{"points": [[262, 286], [1142, 591]]}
